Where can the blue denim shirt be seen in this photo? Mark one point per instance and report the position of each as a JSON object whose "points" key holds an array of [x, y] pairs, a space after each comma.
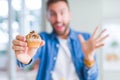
{"points": [[48, 53]]}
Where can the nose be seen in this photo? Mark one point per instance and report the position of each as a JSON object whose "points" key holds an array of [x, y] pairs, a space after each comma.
{"points": [[58, 18]]}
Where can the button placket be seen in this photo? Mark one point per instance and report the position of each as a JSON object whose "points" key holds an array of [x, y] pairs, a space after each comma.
{"points": [[54, 58], [57, 45], [51, 72]]}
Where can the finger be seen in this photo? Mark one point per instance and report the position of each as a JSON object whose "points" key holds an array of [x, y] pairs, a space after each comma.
{"points": [[99, 46], [18, 48], [101, 33], [19, 52], [81, 38], [42, 43], [103, 38], [95, 31], [19, 43], [21, 38]]}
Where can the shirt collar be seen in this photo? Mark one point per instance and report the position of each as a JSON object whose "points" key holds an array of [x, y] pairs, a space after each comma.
{"points": [[72, 35]]}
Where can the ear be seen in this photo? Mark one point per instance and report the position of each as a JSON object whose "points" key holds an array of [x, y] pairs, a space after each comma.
{"points": [[47, 16], [70, 16]]}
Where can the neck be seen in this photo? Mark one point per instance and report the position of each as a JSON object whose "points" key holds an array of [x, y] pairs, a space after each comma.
{"points": [[65, 35]]}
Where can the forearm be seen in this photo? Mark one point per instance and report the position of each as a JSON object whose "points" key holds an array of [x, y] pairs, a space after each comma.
{"points": [[26, 57], [21, 65], [30, 62]]}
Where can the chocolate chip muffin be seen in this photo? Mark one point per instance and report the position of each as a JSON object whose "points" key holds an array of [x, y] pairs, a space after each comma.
{"points": [[33, 39]]}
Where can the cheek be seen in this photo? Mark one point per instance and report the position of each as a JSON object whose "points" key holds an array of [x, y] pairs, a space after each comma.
{"points": [[52, 20], [66, 20]]}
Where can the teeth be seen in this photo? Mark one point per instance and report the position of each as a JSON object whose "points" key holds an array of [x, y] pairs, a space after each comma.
{"points": [[59, 24]]}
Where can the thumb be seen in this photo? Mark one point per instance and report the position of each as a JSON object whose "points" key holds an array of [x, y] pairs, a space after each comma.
{"points": [[42, 43], [81, 38]]}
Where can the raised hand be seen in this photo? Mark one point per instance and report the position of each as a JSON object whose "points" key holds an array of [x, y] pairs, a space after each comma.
{"points": [[22, 52], [92, 44]]}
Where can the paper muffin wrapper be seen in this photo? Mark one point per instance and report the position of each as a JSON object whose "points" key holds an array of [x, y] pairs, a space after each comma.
{"points": [[33, 43]]}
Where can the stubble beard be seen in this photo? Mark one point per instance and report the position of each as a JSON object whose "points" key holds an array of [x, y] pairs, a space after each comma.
{"points": [[63, 32]]}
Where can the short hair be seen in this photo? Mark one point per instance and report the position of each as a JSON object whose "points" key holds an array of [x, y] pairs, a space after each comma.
{"points": [[49, 2]]}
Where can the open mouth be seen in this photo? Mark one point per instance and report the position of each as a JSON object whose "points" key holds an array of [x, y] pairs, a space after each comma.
{"points": [[59, 27]]}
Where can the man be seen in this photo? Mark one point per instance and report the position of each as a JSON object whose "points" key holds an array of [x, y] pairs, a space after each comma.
{"points": [[66, 54]]}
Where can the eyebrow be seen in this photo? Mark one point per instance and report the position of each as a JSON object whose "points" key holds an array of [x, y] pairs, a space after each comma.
{"points": [[63, 9]]}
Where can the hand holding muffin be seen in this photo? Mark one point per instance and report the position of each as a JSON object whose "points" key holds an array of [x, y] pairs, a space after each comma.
{"points": [[26, 47], [33, 40]]}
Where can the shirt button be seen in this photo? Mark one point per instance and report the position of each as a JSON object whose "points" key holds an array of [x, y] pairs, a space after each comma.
{"points": [[57, 45], [51, 72], [54, 58]]}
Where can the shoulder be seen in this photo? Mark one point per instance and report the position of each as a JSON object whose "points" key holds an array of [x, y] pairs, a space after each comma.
{"points": [[44, 35], [86, 35]]}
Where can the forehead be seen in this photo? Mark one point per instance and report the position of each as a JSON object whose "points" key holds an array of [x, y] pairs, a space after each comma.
{"points": [[58, 6]]}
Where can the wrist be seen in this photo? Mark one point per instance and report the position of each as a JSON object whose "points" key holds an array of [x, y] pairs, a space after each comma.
{"points": [[32, 52], [89, 61], [89, 58], [89, 64]]}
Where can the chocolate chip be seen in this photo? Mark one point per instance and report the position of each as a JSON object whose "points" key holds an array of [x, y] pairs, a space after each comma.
{"points": [[32, 31]]}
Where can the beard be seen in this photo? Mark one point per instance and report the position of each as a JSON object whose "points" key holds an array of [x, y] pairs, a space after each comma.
{"points": [[63, 32]]}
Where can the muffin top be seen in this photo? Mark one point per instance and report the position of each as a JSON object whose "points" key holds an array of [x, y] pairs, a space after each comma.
{"points": [[33, 35]]}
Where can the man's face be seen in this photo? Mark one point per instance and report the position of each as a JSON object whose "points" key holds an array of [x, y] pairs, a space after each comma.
{"points": [[59, 17]]}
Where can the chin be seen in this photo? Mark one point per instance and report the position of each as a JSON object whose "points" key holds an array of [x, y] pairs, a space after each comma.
{"points": [[60, 33]]}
